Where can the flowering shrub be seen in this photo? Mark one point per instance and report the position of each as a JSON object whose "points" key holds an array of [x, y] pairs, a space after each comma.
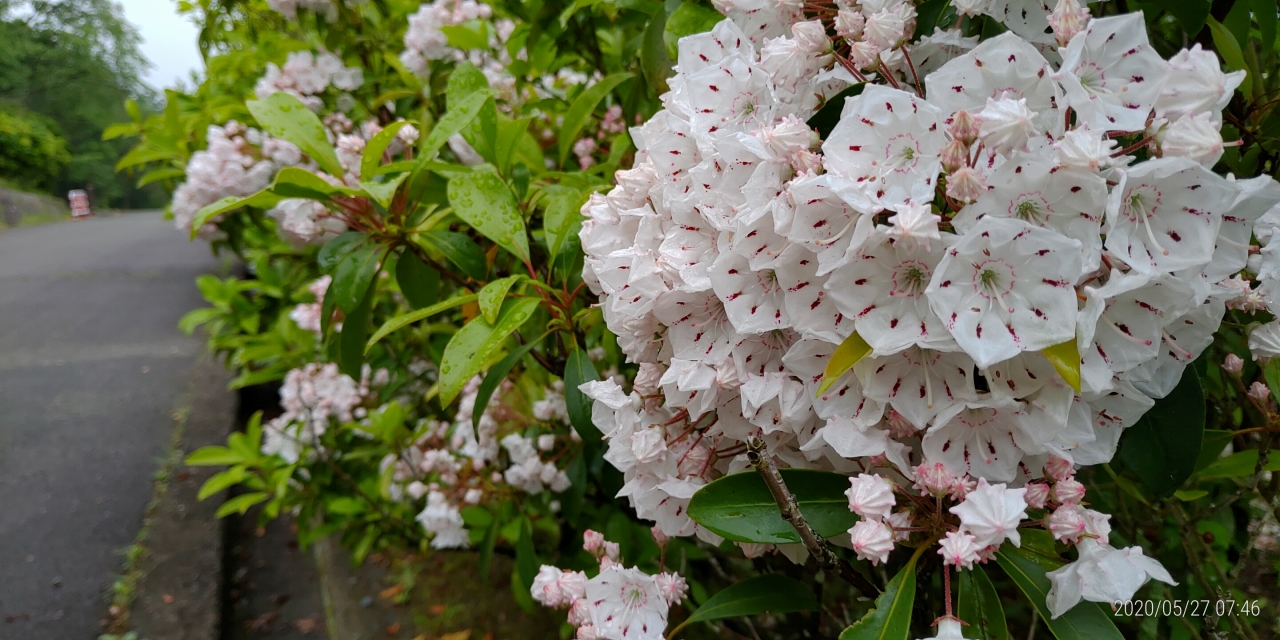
{"points": [[901, 320]]}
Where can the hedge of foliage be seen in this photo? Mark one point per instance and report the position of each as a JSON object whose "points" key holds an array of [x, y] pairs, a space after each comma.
{"points": [[789, 319]]}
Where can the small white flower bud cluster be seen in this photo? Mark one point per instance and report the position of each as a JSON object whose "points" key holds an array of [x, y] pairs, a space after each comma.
{"points": [[306, 76]]}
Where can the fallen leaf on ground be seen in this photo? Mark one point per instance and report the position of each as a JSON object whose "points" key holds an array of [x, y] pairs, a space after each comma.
{"points": [[393, 630], [436, 609], [391, 592], [262, 623], [168, 599], [457, 635]]}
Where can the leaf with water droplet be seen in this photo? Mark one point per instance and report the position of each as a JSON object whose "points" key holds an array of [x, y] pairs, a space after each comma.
{"points": [[467, 351], [284, 116], [492, 295], [482, 200]]}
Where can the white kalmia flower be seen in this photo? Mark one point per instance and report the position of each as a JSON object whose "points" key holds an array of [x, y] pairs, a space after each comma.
{"points": [[1004, 66], [1102, 574], [626, 604], [991, 513], [949, 629], [444, 521], [1195, 137], [977, 438], [871, 496], [1264, 341], [1196, 84], [1007, 287], [1111, 75], [1085, 148]]}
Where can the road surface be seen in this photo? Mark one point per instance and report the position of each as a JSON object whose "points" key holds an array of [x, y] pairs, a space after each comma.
{"points": [[92, 366]]}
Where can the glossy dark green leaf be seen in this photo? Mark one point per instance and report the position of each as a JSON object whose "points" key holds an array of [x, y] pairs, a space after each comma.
{"points": [[1086, 621], [770, 592], [563, 217], [262, 200], [338, 248], [493, 294], [458, 249], [352, 339], [578, 370], [419, 283], [1230, 50], [654, 61], [891, 619], [826, 119], [1191, 14], [1265, 13], [1163, 446], [1239, 465], [467, 351], [526, 556], [404, 320], [978, 604], [740, 507], [458, 117], [354, 275], [482, 200], [1211, 447], [284, 116]]}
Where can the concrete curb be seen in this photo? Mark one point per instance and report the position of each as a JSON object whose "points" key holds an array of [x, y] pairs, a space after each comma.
{"points": [[179, 596]]}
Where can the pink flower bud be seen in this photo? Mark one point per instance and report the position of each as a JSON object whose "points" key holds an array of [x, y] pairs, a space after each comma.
{"points": [[592, 542], [872, 541], [1058, 469], [1066, 523], [1068, 491], [1232, 364], [958, 550], [962, 487], [659, 537], [1037, 494], [1068, 19], [965, 185], [580, 612], [954, 155], [672, 587], [964, 127], [612, 551], [1259, 391], [586, 632]]}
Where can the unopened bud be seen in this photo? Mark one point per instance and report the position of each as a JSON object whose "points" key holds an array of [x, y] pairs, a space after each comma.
{"points": [[1037, 494], [1232, 364], [954, 155], [1259, 391], [934, 479], [1068, 491], [592, 542], [1058, 469], [1066, 523], [965, 185], [1067, 19], [849, 24], [659, 537], [964, 127]]}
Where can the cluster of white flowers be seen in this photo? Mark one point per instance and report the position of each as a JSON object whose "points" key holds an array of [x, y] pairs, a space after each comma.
{"points": [[306, 76], [303, 222], [289, 8], [619, 603], [960, 234], [231, 165], [311, 397], [456, 464], [309, 315], [426, 41]]}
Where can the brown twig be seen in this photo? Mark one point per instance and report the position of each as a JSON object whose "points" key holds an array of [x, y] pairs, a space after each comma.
{"points": [[758, 454]]}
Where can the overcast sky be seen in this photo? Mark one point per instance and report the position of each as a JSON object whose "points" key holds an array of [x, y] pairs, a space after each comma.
{"points": [[168, 41]]}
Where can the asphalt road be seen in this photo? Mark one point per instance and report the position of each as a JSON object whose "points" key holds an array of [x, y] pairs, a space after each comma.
{"points": [[92, 366]]}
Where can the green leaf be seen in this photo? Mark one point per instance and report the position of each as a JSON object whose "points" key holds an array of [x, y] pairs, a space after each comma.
{"points": [[293, 182], [464, 81], [383, 192], [240, 504], [475, 342], [563, 217], [220, 481], [1211, 448], [978, 604], [374, 150], [1189, 496], [1162, 448], [1272, 375], [770, 592], [260, 200], [467, 36], [407, 319], [526, 557], [284, 116], [454, 121], [492, 295], [1229, 48], [1191, 14], [510, 133], [355, 331], [740, 507], [1086, 621], [891, 619], [354, 275], [495, 377], [853, 349], [483, 201], [582, 108], [156, 175], [456, 248], [211, 456], [1238, 465], [335, 250], [1065, 358], [689, 18], [579, 370], [826, 119], [419, 283], [1264, 12], [654, 61]]}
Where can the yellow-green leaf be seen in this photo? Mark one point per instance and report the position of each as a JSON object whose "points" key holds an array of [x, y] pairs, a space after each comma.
{"points": [[492, 295], [853, 349], [1066, 359]]}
